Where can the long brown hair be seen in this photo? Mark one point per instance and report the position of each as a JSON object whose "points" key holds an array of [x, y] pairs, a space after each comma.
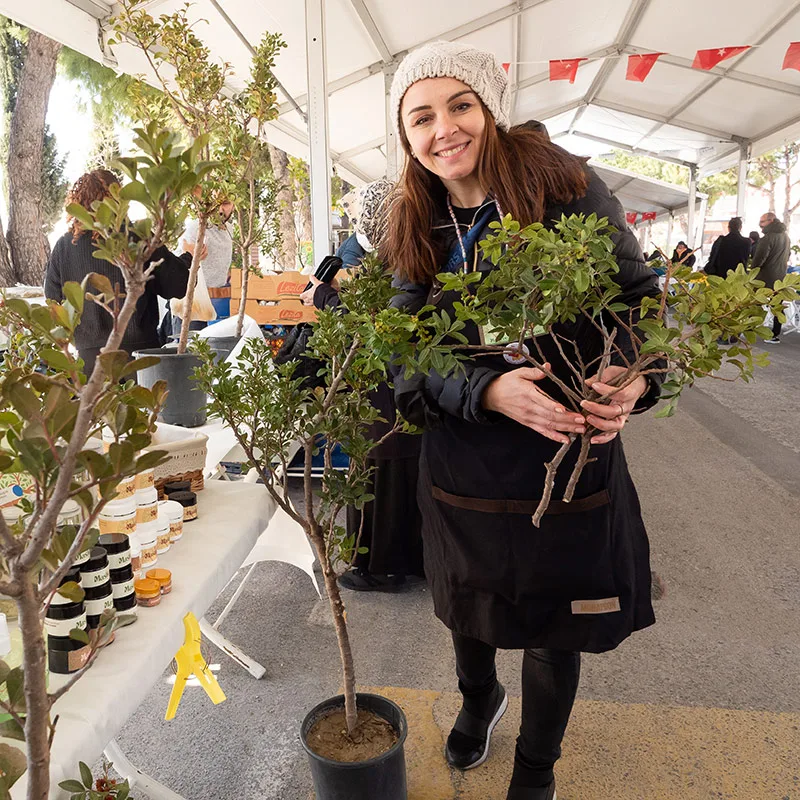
{"points": [[523, 170], [90, 187]]}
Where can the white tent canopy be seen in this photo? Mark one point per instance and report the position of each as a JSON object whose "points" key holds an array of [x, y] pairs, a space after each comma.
{"points": [[705, 120]]}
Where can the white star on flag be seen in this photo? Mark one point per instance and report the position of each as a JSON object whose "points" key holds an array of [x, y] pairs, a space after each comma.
{"points": [[722, 52]]}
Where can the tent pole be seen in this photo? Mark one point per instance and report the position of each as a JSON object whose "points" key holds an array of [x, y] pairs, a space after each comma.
{"points": [[702, 226], [692, 204], [394, 155], [741, 194], [670, 223], [319, 148]]}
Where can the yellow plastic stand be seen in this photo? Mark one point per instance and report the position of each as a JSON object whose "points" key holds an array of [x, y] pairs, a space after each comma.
{"points": [[191, 662]]}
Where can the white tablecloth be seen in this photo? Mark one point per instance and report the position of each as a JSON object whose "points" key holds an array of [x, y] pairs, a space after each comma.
{"points": [[231, 516]]}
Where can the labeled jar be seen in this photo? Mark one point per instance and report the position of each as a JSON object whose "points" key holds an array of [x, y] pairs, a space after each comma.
{"points": [[146, 505], [73, 576], [125, 488], [122, 582], [164, 578], [118, 516], [65, 655], [71, 514], [148, 539], [177, 486], [189, 502], [163, 540], [127, 604], [148, 592], [118, 548], [61, 619], [94, 572], [145, 479], [97, 600], [136, 556], [174, 513]]}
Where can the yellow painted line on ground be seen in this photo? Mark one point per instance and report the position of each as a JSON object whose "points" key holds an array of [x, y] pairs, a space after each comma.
{"points": [[614, 751]]}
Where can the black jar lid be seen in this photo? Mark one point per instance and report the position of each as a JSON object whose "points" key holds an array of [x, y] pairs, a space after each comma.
{"points": [[125, 603], [98, 558], [73, 575], [98, 592], [122, 574], [186, 499], [114, 542], [177, 486], [64, 611]]}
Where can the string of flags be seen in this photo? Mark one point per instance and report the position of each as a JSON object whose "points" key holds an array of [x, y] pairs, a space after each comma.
{"points": [[632, 216], [640, 65]]}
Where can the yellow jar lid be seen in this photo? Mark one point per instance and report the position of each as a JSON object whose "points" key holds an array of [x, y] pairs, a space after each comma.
{"points": [[161, 576], [146, 587]]}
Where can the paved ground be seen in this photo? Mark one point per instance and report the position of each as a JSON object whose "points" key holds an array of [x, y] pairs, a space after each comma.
{"points": [[705, 704]]}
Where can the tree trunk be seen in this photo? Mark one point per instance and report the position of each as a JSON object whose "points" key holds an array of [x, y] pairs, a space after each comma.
{"points": [[306, 232], [280, 168], [243, 299], [7, 277], [787, 176], [26, 239], [188, 301]]}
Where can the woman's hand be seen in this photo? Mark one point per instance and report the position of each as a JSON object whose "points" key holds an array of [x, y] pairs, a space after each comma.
{"points": [[307, 297], [516, 395], [611, 417]]}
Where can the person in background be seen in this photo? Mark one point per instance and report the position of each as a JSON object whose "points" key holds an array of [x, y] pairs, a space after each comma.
{"points": [[680, 255], [754, 236], [72, 260], [391, 524], [729, 251], [771, 259]]}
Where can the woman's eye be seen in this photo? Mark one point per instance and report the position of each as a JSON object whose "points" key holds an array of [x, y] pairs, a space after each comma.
{"points": [[421, 120], [463, 106]]}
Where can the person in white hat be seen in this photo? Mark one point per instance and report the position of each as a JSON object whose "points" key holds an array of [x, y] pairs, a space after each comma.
{"points": [[580, 582]]}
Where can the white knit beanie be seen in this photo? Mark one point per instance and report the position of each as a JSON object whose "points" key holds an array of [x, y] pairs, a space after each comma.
{"points": [[476, 68]]}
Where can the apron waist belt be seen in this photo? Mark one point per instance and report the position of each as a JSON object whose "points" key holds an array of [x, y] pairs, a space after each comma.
{"points": [[528, 507]]}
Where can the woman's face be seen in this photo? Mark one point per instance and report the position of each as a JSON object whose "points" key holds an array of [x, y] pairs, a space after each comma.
{"points": [[445, 125], [681, 249]]}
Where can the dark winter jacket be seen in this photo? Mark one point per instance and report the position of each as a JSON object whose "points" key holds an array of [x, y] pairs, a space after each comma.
{"points": [[727, 253], [351, 252], [74, 261], [493, 576], [771, 257], [688, 261]]}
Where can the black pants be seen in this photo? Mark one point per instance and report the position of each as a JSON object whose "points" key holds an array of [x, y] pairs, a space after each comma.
{"points": [[549, 684], [776, 328]]}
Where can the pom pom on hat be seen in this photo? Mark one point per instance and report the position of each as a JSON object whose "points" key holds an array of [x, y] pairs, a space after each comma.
{"points": [[479, 70]]}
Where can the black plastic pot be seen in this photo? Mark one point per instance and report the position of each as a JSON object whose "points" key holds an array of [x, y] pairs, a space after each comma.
{"points": [[186, 404], [381, 778], [222, 346]]}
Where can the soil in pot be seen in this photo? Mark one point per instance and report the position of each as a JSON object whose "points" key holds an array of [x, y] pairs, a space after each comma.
{"points": [[373, 737]]}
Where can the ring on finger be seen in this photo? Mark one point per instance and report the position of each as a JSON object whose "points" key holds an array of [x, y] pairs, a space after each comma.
{"points": [[619, 406]]}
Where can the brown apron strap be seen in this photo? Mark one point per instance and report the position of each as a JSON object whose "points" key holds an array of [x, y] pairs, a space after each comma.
{"points": [[528, 507]]}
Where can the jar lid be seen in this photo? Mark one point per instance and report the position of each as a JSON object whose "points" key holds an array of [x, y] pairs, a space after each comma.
{"points": [[121, 574], [125, 603], [163, 576], [173, 510], [98, 592], [146, 497], [146, 533], [122, 507], [98, 558], [177, 486], [65, 611], [184, 498], [73, 574], [114, 542], [146, 587]]}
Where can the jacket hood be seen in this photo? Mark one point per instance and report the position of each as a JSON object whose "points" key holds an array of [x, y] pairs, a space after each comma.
{"points": [[776, 226]]}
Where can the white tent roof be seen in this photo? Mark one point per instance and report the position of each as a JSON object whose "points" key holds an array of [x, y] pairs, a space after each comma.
{"points": [[679, 113]]}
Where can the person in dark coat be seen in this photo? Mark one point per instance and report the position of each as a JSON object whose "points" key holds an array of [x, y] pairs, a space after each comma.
{"points": [[729, 251], [753, 236], [771, 259], [581, 582], [73, 259], [683, 256], [389, 526]]}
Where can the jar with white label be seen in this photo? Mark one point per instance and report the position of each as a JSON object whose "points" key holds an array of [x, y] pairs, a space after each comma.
{"points": [[163, 540], [122, 582], [94, 572], [61, 619], [174, 513], [148, 540], [97, 600], [125, 488], [146, 505], [118, 548], [145, 479], [118, 516], [71, 514], [72, 576]]}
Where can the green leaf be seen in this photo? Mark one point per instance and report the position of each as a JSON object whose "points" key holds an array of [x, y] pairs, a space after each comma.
{"points": [[139, 363], [57, 360], [16, 689], [74, 294], [72, 786], [100, 282], [11, 729], [86, 773], [79, 635], [24, 400], [81, 214], [113, 363], [72, 591], [12, 763]]}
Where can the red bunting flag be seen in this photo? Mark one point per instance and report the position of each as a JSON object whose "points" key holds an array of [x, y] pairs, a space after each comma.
{"points": [[648, 216], [631, 217], [708, 59], [792, 58], [639, 66], [506, 65], [565, 69]]}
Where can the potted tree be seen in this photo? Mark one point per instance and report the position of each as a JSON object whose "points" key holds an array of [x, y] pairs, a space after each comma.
{"points": [[48, 413]]}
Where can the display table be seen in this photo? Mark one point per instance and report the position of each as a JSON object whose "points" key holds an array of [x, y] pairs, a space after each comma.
{"points": [[231, 516]]}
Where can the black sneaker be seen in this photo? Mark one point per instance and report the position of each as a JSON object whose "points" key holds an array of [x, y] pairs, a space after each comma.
{"points": [[468, 743], [526, 793], [359, 580], [773, 340]]}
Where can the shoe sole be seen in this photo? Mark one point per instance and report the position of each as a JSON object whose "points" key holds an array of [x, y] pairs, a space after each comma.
{"points": [[498, 715]]}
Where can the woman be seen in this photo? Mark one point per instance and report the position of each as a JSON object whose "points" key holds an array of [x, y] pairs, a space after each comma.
{"points": [[73, 259], [496, 580], [389, 526], [683, 256]]}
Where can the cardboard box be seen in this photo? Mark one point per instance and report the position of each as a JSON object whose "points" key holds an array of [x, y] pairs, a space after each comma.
{"points": [[278, 312], [270, 287]]}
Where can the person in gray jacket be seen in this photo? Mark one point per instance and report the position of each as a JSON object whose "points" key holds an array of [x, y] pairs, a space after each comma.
{"points": [[771, 259]]}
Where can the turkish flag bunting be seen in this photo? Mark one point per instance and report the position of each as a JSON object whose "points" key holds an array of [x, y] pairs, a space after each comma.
{"points": [[506, 65], [565, 69], [631, 217], [639, 66], [792, 58], [648, 216], [708, 59]]}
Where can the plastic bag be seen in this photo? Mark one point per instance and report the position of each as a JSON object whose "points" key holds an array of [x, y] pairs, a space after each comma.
{"points": [[202, 307]]}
